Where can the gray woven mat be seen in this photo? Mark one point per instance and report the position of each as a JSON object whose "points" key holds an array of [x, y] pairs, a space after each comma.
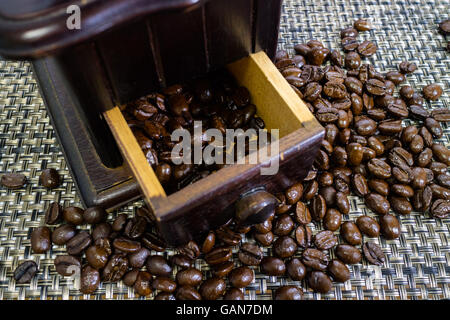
{"points": [[418, 264]]}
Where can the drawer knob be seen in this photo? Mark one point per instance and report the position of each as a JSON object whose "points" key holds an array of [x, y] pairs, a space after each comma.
{"points": [[255, 207]]}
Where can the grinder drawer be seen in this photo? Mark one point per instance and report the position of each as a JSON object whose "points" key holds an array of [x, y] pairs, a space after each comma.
{"points": [[211, 201]]}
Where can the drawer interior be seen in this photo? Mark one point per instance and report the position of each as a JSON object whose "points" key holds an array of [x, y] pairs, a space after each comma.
{"points": [[277, 104]]}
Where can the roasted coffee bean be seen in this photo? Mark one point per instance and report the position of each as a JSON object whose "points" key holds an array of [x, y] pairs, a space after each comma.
{"points": [[440, 208], [222, 270], [13, 180], [94, 215], [241, 277], [212, 289], [338, 271], [342, 202], [360, 186], [422, 199], [119, 223], [368, 226], [129, 279], [311, 189], [302, 214], [327, 115], [97, 256], [154, 242], [419, 180], [441, 153], [318, 207], [438, 167], [187, 293], [434, 127], [25, 272], [272, 266], [89, 280], [265, 239], [158, 265], [102, 230], [348, 254], [142, 285], [164, 284], [355, 153], [443, 179], [332, 220], [62, 234], [362, 25], [350, 233], [402, 174], [299, 61], [115, 269], [263, 227], [319, 282], [126, 245], [377, 203], [250, 254], [400, 157], [218, 255], [303, 236], [165, 296], [336, 58], [284, 247], [441, 114], [373, 253], [138, 258], [315, 259], [78, 243], [104, 243], [50, 178], [318, 55], [424, 158], [40, 240], [375, 87], [402, 190], [67, 265], [349, 32], [379, 169], [353, 60], [432, 92], [135, 227], [444, 27], [396, 77], [53, 214], [400, 205], [294, 193], [227, 236], [390, 227], [296, 269], [180, 260], [283, 225], [334, 89], [282, 205], [302, 49], [329, 194], [418, 112], [190, 277], [407, 67], [325, 240], [367, 48], [73, 215], [288, 293]]}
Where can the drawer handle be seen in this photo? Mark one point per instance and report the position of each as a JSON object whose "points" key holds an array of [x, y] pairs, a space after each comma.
{"points": [[255, 207]]}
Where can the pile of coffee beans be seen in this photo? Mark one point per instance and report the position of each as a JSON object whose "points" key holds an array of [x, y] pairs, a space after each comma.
{"points": [[368, 151], [49, 178], [216, 101]]}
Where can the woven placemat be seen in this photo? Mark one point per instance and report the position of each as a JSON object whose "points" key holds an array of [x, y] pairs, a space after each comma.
{"points": [[418, 263]]}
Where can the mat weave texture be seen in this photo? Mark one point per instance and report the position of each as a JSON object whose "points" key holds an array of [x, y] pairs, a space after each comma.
{"points": [[418, 263]]}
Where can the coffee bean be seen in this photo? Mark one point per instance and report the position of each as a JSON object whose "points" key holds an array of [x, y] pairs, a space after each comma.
{"points": [[349, 32], [283, 225], [13, 180], [303, 236], [373, 253], [407, 67], [325, 240], [318, 207], [368, 226], [348, 254], [441, 114], [294, 193], [315, 259], [218, 255], [138, 258], [338, 270], [434, 127], [97, 256], [317, 55], [440, 208], [94, 215], [390, 227], [367, 48], [129, 279], [250, 254], [265, 239], [25, 272], [375, 87], [296, 269], [187, 293], [272, 266], [89, 280], [284, 247], [78, 243], [332, 220], [362, 25], [73, 215], [135, 228], [432, 92], [319, 282], [212, 289], [102, 230], [209, 242], [142, 284], [53, 214], [377, 203], [288, 293], [379, 169], [355, 153], [154, 242], [40, 240], [50, 178], [158, 265], [441, 153], [63, 233], [241, 277], [126, 245], [353, 60], [67, 265], [350, 233], [164, 284], [396, 77]]}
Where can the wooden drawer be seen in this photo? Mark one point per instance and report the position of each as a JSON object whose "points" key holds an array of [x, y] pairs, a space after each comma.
{"points": [[211, 201]]}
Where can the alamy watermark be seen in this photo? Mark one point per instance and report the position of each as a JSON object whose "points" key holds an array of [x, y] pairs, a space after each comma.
{"points": [[73, 22]]}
